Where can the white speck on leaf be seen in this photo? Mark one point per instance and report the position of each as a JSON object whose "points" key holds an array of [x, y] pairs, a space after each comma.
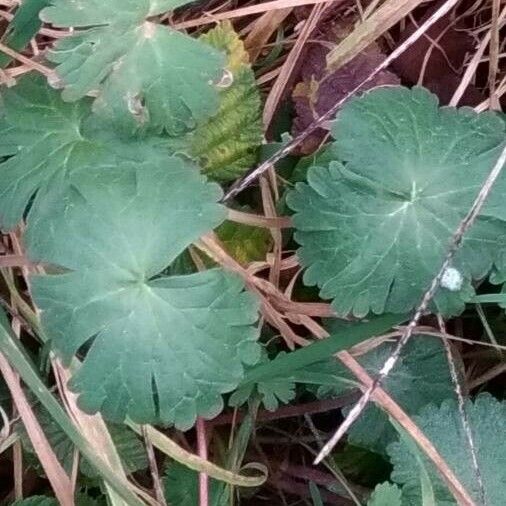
{"points": [[452, 279]]}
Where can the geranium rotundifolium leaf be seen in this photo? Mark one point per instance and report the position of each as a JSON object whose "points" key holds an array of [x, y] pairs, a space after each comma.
{"points": [[44, 139], [160, 349], [146, 74], [444, 427], [375, 226]]}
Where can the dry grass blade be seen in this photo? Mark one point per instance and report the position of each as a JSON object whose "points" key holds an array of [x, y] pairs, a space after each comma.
{"points": [[279, 87], [386, 16], [473, 64], [246, 11], [254, 220], [384, 401], [262, 30], [55, 473], [494, 55], [27, 61], [455, 242]]}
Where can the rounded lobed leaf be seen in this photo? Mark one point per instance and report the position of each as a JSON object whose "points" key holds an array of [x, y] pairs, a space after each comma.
{"points": [[44, 139], [375, 226], [160, 349], [147, 75]]}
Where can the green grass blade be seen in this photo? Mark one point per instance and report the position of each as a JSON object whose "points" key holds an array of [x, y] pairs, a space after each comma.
{"points": [[289, 363]]}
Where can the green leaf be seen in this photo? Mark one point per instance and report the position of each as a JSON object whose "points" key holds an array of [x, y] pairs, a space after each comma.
{"points": [[227, 144], [161, 349], [23, 27], [421, 376], [316, 497], [374, 231], [272, 391], [181, 487], [443, 426], [46, 139], [146, 74], [385, 494], [36, 500]]}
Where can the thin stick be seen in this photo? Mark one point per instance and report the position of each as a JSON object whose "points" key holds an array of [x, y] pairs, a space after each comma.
{"points": [[244, 182], [202, 451], [462, 409], [381, 398], [153, 467], [389, 364]]}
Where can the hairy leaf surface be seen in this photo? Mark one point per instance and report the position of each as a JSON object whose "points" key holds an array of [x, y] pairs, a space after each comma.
{"points": [[374, 229], [47, 139], [443, 426], [145, 73], [227, 144], [161, 349]]}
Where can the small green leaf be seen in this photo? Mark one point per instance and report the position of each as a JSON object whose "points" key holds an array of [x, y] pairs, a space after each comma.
{"points": [[227, 144], [181, 487], [443, 426], [374, 231], [47, 139], [272, 391], [161, 349], [146, 74], [385, 494]]}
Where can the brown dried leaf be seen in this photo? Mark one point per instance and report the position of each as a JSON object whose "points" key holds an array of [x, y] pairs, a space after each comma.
{"points": [[319, 89]]}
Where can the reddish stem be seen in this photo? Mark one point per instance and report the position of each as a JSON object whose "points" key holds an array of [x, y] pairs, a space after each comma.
{"points": [[202, 451], [310, 408]]}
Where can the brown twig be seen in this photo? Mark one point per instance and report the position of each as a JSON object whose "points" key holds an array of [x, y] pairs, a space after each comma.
{"points": [[153, 467], [289, 411]]}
